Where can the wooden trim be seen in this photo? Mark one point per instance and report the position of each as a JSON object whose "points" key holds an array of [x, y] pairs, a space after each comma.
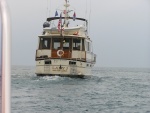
{"points": [[74, 59]]}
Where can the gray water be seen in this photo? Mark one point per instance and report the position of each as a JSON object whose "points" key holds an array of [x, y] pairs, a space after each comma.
{"points": [[109, 90]]}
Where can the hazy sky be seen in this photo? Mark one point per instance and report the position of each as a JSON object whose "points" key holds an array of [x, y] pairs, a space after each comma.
{"points": [[120, 29]]}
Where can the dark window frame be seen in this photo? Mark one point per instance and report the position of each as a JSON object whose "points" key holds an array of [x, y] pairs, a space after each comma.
{"points": [[43, 46], [76, 44]]}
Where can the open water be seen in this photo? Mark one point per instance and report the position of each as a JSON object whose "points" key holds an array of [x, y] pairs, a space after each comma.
{"points": [[109, 90]]}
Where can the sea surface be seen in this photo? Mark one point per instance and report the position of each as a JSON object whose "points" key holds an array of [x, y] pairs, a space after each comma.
{"points": [[109, 90]]}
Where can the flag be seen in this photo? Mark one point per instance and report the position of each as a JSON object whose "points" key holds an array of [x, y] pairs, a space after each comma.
{"points": [[59, 23], [56, 13], [74, 16], [64, 11]]}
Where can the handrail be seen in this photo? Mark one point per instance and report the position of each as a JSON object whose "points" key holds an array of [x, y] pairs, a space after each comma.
{"points": [[55, 18]]}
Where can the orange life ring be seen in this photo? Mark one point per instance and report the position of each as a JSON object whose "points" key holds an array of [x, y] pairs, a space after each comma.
{"points": [[60, 53]]}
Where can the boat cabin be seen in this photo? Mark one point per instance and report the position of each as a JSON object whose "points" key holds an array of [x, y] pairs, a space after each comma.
{"points": [[79, 48]]}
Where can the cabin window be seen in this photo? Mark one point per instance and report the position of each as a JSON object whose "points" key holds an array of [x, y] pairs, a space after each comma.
{"points": [[88, 46], [66, 44], [56, 43], [83, 47], [76, 44], [45, 43]]}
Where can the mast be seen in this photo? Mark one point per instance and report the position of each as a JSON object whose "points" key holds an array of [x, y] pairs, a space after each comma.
{"points": [[66, 5]]}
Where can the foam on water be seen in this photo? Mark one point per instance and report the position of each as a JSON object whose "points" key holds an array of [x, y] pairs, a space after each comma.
{"points": [[47, 78]]}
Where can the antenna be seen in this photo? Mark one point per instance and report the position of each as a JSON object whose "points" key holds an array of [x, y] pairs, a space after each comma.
{"points": [[50, 8], [90, 17], [47, 9], [86, 9], [66, 12]]}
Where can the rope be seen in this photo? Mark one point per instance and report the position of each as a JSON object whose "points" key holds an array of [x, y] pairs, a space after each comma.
{"points": [[47, 9], [86, 9], [90, 17], [50, 7]]}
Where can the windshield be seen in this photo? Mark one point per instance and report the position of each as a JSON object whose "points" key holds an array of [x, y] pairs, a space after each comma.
{"points": [[57, 43]]}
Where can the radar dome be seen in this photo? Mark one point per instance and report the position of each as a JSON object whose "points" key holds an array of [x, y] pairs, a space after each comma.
{"points": [[46, 24]]}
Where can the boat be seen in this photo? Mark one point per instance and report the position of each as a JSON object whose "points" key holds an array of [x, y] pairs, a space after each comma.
{"points": [[64, 50]]}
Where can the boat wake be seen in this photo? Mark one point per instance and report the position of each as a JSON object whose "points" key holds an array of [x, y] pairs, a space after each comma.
{"points": [[51, 78]]}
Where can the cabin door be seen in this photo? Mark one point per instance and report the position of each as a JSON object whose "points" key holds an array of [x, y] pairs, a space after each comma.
{"points": [[64, 44]]}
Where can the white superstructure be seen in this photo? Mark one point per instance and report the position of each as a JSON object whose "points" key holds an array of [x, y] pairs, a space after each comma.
{"points": [[64, 50]]}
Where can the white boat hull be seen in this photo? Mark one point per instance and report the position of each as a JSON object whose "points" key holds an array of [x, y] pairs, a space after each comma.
{"points": [[61, 67]]}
